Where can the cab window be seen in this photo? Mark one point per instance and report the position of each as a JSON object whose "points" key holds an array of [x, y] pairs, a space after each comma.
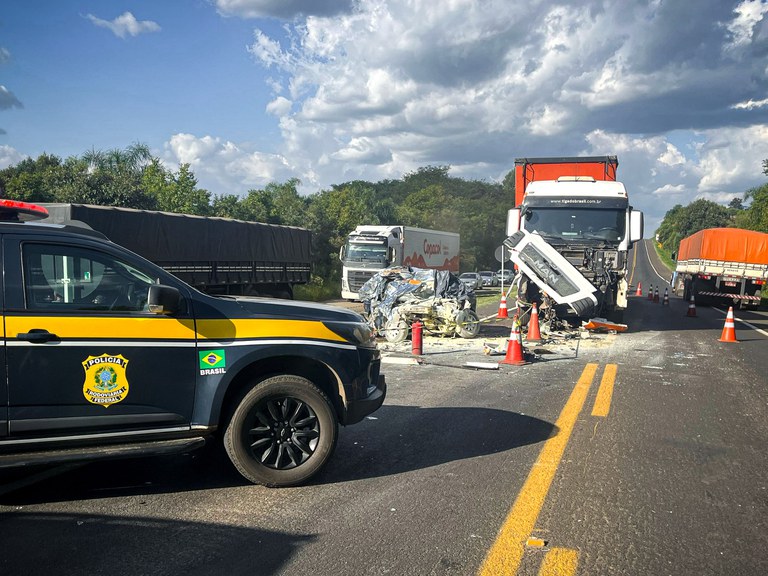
{"points": [[77, 278]]}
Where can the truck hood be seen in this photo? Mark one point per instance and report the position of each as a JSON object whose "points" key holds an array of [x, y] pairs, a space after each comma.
{"points": [[291, 309], [230, 317]]}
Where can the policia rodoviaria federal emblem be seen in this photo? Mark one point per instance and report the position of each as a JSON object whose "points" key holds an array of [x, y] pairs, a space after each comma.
{"points": [[105, 380]]}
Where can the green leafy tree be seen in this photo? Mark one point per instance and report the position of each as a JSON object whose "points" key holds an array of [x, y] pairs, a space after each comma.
{"points": [[755, 217], [682, 221], [226, 206], [33, 180], [331, 215]]}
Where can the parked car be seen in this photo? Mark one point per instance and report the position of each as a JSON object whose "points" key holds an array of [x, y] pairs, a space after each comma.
{"points": [[471, 280], [489, 278], [506, 275]]}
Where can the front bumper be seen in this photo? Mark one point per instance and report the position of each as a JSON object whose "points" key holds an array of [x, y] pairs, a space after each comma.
{"points": [[360, 408]]}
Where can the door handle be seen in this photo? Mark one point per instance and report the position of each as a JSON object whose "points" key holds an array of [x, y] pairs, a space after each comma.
{"points": [[37, 335]]}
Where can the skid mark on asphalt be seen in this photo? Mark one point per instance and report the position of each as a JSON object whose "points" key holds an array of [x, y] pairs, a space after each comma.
{"points": [[505, 555]]}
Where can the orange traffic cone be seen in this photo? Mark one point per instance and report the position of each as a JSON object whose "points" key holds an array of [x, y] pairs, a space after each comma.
{"points": [[514, 346], [503, 307], [656, 295], [729, 330], [639, 291], [691, 308], [650, 292], [533, 326], [665, 302]]}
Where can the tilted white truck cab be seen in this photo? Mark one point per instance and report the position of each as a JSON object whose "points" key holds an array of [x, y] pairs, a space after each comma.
{"points": [[591, 224]]}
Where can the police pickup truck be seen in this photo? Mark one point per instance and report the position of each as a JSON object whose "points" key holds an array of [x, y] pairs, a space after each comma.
{"points": [[106, 355]]}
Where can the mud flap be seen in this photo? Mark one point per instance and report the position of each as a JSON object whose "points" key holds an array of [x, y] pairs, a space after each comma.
{"points": [[551, 272]]}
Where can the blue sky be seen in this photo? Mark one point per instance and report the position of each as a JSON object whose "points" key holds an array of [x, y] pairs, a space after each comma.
{"points": [[254, 91]]}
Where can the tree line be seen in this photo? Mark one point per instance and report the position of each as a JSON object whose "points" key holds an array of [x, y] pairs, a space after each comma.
{"points": [[426, 198], [749, 213], [133, 178]]}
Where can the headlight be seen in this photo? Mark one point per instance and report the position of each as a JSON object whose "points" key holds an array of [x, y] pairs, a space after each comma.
{"points": [[358, 333]]}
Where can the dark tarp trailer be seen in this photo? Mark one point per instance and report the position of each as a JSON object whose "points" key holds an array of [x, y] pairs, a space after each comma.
{"points": [[217, 255]]}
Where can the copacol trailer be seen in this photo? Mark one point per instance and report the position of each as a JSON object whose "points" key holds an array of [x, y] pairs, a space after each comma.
{"points": [[571, 233], [215, 255], [369, 249], [723, 266]]}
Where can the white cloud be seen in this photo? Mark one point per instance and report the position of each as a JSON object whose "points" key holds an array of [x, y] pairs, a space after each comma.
{"points": [[385, 87], [8, 99], [668, 189], [223, 167], [751, 104], [10, 156], [125, 25], [280, 106], [748, 14], [731, 157], [287, 9]]}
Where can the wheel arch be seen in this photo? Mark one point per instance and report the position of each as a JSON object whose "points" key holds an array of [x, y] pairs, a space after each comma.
{"points": [[319, 373]]}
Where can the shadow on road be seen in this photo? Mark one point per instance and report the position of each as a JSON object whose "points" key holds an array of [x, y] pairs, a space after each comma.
{"points": [[419, 438], [56, 543], [395, 439]]}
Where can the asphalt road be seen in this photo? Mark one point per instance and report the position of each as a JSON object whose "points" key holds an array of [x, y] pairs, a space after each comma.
{"points": [[634, 453]]}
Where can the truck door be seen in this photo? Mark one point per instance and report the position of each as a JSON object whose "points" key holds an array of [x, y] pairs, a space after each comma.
{"points": [[84, 354]]}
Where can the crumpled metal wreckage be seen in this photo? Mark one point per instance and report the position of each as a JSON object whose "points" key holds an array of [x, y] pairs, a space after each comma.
{"points": [[398, 296]]}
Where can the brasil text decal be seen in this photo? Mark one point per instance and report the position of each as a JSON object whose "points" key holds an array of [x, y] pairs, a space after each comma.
{"points": [[213, 362]]}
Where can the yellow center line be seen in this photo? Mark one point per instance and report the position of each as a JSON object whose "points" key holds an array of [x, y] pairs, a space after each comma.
{"points": [[605, 392], [559, 562], [505, 555]]}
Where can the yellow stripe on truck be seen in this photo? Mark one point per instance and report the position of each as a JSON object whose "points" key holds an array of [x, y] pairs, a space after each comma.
{"points": [[161, 328], [256, 328], [86, 327]]}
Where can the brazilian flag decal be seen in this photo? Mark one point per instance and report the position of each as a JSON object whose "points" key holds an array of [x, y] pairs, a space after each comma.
{"points": [[212, 359]]}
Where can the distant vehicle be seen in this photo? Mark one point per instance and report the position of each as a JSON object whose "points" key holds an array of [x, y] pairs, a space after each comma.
{"points": [[505, 275], [219, 256], [369, 249], [471, 280], [489, 278], [727, 266]]}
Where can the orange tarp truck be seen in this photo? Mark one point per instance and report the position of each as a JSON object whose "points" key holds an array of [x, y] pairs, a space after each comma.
{"points": [[723, 266]]}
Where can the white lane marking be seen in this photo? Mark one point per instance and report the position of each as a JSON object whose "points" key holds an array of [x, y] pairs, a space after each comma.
{"points": [[755, 328], [648, 255]]}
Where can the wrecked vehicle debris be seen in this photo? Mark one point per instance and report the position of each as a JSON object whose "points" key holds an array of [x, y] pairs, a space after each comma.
{"points": [[396, 297], [551, 272]]}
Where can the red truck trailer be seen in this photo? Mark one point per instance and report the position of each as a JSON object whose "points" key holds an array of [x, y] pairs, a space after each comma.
{"points": [[528, 170], [723, 266]]}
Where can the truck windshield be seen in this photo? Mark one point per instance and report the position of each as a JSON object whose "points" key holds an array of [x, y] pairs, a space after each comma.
{"points": [[577, 223], [366, 253]]}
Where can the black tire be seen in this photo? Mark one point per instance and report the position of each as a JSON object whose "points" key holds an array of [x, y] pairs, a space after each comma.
{"points": [[282, 432], [467, 323]]}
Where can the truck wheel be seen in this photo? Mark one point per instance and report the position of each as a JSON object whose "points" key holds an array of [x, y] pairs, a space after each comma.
{"points": [[282, 432], [467, 324]]}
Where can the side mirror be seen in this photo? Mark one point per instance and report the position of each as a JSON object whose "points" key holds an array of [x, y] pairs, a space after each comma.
{"points": [[635, 226], [342, 252], [163, 300], [513, 221]]}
